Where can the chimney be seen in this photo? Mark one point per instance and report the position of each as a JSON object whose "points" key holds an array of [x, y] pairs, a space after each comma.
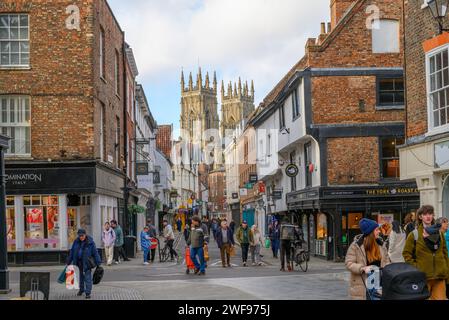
{"points": [[323, 28], [338, 9], [329, 27]]}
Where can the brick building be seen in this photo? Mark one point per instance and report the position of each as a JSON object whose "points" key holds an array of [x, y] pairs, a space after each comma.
{"points": [[425, 154], [340, 115], [164, 138], [63, 98], [216, 181]]}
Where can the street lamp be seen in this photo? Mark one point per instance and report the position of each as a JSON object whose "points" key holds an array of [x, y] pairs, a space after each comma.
{"points": [[438, 8], [4, 273]]}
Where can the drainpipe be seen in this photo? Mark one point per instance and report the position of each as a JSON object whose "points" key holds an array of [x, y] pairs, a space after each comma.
{"points": [[125, 139]]}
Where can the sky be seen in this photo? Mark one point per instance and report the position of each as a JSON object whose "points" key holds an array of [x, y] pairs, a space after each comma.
{"points": [[256, 40]]}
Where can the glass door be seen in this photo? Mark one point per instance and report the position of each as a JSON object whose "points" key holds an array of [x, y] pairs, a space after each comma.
{"points": [[72, 224]]}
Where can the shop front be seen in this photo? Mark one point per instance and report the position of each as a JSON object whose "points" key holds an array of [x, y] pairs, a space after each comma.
{"points": [[46, 205], [330, 216]]}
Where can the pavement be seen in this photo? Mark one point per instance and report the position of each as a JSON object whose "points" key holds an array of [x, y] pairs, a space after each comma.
{"points": [[161, 281]]}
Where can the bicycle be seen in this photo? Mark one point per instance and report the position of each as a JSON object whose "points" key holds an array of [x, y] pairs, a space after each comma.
{"points": [[164, 254], [299, 256]]}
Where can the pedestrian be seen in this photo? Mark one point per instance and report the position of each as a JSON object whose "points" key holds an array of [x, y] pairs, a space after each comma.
{"points": [[196, 243], [396, 243], [119, 251], [153, 240], [225, 242], [255, 246], [287, 235], [426, 249], [179, 224], [214, 228], [274, 233], [85, 256], [409, 223], [108, 238], [444, 227], [366, 251], [170, 239], [145, 243], [245, 237], [385, 230], [232, 226]]}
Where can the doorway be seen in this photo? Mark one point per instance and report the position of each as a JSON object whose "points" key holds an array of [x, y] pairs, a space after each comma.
{"points": [[350, 228]]}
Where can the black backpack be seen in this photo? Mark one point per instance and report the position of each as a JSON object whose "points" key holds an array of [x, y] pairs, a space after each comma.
{"points": [[401, 281], [98, 275]]}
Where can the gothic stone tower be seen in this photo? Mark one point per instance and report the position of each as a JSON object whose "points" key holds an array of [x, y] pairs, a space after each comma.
{"points": [[236, 106], [199, 107]]}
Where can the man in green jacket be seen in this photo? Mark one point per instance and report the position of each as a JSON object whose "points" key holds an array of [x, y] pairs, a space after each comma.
{"points": [[244, 236], [119, 251], [426, 250]]}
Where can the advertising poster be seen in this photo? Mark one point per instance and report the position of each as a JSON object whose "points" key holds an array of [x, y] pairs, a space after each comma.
{"points": [[385, 219]]}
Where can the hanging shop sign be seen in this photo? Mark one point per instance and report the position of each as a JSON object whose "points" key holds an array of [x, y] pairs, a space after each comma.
{"points": [[292, 170], [156, 177], [142, 168], [253, 178], [277, 194]]}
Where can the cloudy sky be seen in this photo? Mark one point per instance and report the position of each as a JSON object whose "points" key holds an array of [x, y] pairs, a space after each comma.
{"points": [[258, 40]]}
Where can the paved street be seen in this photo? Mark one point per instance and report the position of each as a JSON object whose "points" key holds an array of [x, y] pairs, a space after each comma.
{"points": [[133, 281]]}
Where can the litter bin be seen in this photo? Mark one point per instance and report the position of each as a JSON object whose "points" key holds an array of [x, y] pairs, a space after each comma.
{"points": [[130, 246]]}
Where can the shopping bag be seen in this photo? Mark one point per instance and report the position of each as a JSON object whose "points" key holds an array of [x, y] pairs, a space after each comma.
{"points": [[267, 243], [232, 251], [61, 278], [98, 275], [153, 242], [71, 278], [189, 262], [206, 252]]}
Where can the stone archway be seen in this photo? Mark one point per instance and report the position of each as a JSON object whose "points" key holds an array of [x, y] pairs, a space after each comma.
{"points": [[445, 198]]}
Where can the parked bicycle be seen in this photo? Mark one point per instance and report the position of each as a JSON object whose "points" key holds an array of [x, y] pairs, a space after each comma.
{"points": [[164, 254], [299, 256]]}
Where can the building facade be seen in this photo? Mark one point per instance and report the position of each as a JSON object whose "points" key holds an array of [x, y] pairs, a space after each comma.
{"points": [[63, 99], [425, 154]]}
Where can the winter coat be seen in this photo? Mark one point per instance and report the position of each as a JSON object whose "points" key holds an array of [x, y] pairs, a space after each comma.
{"points": [[397, 244], [108, 237], [257, 238], [240, 235], [119, 241], [152, 231], [196, 238], [168, 232], [220, 237], [145, 240], [434, 265], [89, 250], [274, 233], [355, 261]]}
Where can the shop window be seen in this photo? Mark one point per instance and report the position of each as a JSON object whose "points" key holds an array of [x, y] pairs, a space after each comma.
{"points": [[41, 222], [72, 218], [14, 40], [10, 224], [390, 92], [390, 157], [15, 122], [322, 227], [438, 88]]}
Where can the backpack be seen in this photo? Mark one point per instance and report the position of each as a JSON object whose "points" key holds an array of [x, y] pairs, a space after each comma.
{"points": [[401, 281], [287, 232]]}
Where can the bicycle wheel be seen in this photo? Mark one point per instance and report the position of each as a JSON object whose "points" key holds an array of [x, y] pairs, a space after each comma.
{"points": [[304, 264], [165, 254]]}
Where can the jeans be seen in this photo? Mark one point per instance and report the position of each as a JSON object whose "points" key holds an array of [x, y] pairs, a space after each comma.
{"points": [[285, 252], [255, 253], [85, 280], [200, 253], [225, 252], [275, 247], [245, 248], [145, 254], [172, 251]]}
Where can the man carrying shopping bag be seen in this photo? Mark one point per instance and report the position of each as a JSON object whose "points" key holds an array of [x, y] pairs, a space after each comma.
{"points": [[85, 256]]}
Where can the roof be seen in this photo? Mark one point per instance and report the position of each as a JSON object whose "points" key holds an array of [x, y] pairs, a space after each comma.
{"points": [[164, 139]]}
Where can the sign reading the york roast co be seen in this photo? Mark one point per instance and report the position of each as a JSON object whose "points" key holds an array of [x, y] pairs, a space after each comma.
{"points": [[51, 180]]}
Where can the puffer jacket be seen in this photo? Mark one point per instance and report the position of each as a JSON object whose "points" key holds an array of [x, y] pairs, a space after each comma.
{"points": [[434, 265], [355, 261]]}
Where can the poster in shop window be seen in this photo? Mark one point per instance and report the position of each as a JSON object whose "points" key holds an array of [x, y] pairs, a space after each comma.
{"points": [[385, 219]]}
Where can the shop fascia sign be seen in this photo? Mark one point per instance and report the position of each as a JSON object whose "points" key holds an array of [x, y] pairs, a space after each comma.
{"points": [[392, 191], [22, 179]]}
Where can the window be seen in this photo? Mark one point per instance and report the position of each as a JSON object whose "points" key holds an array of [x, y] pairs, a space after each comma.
{"points": [[390, 157], [281, 117], [10, 224], [41, 222], [117, 73], [117, 143], [390, 92], [269, 146], [292, 161], [295, 104], [385, 36], [15, 122], [307, 163], [102, 133], [102, 53], [14, 40], [438, 86]]}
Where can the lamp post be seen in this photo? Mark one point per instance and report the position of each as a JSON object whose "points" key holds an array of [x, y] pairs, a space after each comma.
{"points": [[4, 273], [438, 8]]}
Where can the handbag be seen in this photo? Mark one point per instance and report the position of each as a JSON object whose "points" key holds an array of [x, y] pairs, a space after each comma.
{"points": [[61, 278], [232, 251], [98, 275], [267, 243], [206, 252]]}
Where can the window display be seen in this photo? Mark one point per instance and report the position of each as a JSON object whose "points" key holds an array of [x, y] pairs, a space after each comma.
{"points": [[72, 225], [322, 227], [10, 224], [41, 222]]}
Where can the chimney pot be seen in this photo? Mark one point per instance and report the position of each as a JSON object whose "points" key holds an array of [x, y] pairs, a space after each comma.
{"points": [[323, 28]]}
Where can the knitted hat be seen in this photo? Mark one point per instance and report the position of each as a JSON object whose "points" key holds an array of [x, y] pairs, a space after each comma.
{"points": [[367, 226], [82, 232]]}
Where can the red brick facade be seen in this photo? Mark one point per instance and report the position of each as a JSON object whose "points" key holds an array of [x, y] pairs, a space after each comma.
{"points": [[164, 139]]}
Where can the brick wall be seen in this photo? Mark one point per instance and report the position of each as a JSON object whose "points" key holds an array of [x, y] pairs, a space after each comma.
{"points": [[356, 157]]}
